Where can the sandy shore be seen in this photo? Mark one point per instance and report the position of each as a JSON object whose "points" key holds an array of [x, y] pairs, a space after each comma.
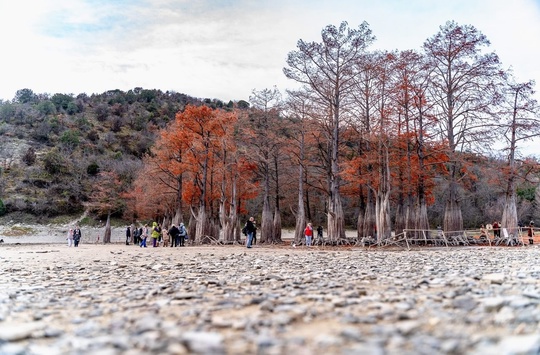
{"points": [[119, 299], [57, 235]]}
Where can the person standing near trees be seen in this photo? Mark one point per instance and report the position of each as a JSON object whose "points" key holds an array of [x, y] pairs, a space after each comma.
{"points": [[134, 233], [182, 235], [320, 238], [144, 235], [174, 232], [250, 230], [77, 235], [128, 234], [530, 233], [70, 237], [165, 237], [254, 239], [308, 232], [156, 232], [496, 230]]}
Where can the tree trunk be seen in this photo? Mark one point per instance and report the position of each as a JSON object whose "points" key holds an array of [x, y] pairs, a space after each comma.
{"points": [[382, 207], [191, 228], [267, 223], [301, 213], [107, 235], [509, 216], [200, 226], [228, 219], [421, 221], [336, 230], [336, 223], [178, 216], [421, 216], [277, 227], [453, 219], [400, 222], [276, 236], [370, 224]]}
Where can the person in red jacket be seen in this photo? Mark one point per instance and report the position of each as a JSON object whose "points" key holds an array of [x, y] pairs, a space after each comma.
{"points": [[308, 232]]}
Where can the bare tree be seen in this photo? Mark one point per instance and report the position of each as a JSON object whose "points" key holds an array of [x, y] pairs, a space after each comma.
{"points": [[412, 78], [464, 91], [298, 113], [265, 112], [521, 123], [106, 198], [327, 70]]}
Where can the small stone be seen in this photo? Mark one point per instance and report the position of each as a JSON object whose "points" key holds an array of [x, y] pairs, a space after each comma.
{"points": [[495, 278], [204, 342]]}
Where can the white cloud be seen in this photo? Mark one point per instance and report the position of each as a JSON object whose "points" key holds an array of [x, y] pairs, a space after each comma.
{"points": [[223, 49]]}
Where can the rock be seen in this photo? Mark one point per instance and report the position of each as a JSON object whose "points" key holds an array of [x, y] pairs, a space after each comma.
{"points": [[495, 278], [19, 331], [203, 342], [493, 304]]}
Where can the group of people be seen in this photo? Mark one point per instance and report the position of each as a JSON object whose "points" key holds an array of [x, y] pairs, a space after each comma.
{"points": [[308, 233], [178, 235], [74, 237], [496, 227], [250, 231], [175, 236]]}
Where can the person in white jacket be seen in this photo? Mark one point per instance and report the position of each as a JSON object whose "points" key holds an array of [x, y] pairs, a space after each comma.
{"points": [[70, 237]]}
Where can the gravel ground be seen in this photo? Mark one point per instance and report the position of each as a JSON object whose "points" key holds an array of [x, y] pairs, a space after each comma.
{"points": [[118, 299]]}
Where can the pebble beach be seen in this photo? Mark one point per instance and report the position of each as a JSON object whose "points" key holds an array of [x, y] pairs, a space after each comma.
{"points": [[119, 299]]}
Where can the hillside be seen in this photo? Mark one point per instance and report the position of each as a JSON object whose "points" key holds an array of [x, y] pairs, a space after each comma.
{"points": [[53, 146]]}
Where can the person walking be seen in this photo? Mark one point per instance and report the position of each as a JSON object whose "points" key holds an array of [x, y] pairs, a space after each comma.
{"points": [[77, 236], [144, 235], [128, 235], [250, 229], [530, 233], [308, 232], [70, 237]]}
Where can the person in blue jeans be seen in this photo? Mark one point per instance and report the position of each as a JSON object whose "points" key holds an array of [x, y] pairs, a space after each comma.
{"points": [[144, 236], [250, 229]]}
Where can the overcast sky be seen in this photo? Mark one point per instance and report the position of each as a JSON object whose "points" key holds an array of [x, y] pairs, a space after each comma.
{"points": [[224, 48]]}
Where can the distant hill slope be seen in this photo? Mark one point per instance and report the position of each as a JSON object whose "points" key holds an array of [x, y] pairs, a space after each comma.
{"points": [[52, 146]]}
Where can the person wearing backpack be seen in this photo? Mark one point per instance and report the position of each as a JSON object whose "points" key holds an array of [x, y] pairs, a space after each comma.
{"points": [[156, 232], [182, 235]]}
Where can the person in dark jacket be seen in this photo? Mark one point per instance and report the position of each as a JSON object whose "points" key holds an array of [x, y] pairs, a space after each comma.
{"points": [[135, 234], [77, 236], [250, 229], [128, 235], [174, 232]]}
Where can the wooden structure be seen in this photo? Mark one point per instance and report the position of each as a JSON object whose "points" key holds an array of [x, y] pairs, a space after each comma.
{"points": [[437, 237]]}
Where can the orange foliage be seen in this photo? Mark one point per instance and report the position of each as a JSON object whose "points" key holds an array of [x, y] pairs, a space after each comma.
{"points": [[199, 148]]}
